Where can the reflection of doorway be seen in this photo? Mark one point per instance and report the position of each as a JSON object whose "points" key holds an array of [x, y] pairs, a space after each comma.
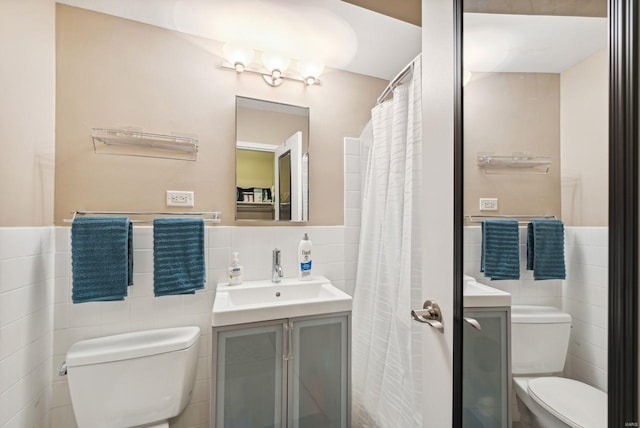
{"points": [[289, 177]]}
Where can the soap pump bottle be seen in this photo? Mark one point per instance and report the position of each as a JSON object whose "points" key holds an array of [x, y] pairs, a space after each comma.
{"points": [[304, 258], [235, 271]]}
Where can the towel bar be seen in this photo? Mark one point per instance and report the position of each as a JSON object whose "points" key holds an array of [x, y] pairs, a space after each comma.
{"points": [[522, 218], [215, 215]]}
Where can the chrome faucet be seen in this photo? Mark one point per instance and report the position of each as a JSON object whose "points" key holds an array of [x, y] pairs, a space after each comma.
{"points": [[276, 269]]}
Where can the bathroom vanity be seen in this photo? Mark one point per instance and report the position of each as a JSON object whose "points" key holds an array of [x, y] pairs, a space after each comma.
{"points": [[288, 364], [486, 361]]}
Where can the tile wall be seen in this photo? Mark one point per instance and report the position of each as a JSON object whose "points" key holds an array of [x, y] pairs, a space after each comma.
{"points": [[352, 209], [585, 298], [27, 267], [141, 310]]}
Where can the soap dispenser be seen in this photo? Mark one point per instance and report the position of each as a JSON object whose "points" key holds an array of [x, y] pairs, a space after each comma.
{"points": [[235, 271]]}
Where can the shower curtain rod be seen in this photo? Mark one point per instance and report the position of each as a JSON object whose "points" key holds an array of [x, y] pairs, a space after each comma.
{"points": [[396, 80]]}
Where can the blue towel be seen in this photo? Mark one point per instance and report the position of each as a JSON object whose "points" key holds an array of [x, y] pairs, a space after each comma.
{"points": [[545, 249], [102, 258], [500, 249], [178, 256]]}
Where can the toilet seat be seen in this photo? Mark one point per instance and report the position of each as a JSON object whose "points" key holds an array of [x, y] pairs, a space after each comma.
{"points": [[575, 403]]}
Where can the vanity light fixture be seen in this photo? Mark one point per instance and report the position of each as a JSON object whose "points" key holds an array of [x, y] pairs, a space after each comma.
{"points": [[274, 66]]}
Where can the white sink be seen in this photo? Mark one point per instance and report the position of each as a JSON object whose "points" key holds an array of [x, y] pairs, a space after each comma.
{"points": [[478, 295], [254, 301]]}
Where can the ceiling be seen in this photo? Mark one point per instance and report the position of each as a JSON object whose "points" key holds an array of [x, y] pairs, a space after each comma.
{"points": [[342, 35], [356, 39], [530, 43]]}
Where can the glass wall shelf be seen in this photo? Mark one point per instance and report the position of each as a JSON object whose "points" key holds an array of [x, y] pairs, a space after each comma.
{"points": [[517, 163], [127, 142]]}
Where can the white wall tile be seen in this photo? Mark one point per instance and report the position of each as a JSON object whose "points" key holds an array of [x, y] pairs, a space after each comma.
{"points": [[26, 321], [585, 298]]}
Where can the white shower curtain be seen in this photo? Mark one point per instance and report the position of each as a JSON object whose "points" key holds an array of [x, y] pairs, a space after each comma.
{"points": [[386, 361]]}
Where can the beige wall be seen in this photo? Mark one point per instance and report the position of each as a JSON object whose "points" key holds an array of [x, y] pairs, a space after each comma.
{"points": [[584, 133], [269, 127], [506, 113], [115, 72], [27, 111]]}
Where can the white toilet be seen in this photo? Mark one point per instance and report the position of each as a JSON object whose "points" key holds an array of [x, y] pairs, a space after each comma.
{"points": [[138, 379], [539, 342]]}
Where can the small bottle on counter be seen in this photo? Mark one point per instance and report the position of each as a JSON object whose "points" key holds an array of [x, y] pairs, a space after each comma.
{"points": [[235, 271], [304, 258]]}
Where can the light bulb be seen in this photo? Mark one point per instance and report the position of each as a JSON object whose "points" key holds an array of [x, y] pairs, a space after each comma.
{"points": [[310, 70], [275, 62], [466, 77], [240, 57]]}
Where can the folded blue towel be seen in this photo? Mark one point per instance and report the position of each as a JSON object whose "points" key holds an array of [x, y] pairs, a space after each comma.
{"points": [[178, 256], [545, 249], [102, 258], [500, 249]]}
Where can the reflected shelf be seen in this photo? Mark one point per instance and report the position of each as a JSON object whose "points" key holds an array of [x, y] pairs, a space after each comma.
{"points": [[517, 163]]}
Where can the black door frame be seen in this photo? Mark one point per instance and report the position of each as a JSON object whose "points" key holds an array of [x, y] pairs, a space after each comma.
{"points": [[623, 214]]}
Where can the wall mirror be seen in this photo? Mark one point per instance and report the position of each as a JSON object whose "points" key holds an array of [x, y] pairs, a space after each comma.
{"points": [[272, 161], [535, 136]]}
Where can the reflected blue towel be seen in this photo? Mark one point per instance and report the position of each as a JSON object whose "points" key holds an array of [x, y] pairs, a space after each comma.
{"points": [[102, 258], [178, 256], [500, 249], [545, 249]]}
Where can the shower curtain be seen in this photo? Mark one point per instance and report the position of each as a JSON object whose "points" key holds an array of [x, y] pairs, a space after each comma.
{"points": [[386, 343]]}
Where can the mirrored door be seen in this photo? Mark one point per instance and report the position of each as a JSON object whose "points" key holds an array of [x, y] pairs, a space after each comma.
{"points": [[535, 104]]}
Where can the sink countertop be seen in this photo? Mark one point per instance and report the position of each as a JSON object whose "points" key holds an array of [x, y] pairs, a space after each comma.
{"points": [[477, 295], [255, 301]]}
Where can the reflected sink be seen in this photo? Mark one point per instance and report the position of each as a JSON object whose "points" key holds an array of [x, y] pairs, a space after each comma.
{"points": [[254, 301], [478, 295]]}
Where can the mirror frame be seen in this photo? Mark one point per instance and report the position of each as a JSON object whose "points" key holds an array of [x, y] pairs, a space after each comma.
{"points": [[622, 396]]}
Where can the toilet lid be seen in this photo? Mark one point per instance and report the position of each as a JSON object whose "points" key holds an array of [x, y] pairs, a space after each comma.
{"points": [[574, 403]]}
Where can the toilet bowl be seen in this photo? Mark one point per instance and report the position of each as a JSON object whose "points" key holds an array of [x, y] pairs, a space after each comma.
{"points": [[138, 379], [539, 342]]}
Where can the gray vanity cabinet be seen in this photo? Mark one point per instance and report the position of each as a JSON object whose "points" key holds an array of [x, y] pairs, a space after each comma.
{"points": [[290, 373], [486, 367]]}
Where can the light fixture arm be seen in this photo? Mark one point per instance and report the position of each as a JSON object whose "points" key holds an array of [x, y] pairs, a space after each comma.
{"points": [[276, 78]]}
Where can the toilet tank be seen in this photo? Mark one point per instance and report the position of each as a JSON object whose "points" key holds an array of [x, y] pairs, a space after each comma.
{"points": [[132, 379], [539, 339]]}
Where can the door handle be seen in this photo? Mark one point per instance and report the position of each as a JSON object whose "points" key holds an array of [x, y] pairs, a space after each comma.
{"points": [[473, 322], [429, 314]]}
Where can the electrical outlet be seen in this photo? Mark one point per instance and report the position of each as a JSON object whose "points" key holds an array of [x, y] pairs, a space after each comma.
{"points": [[488, 204], [179, 198]]}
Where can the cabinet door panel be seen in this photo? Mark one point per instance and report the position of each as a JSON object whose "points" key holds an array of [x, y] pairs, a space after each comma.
{"points": [[319, 377], [485, 367], [249, 378]]}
